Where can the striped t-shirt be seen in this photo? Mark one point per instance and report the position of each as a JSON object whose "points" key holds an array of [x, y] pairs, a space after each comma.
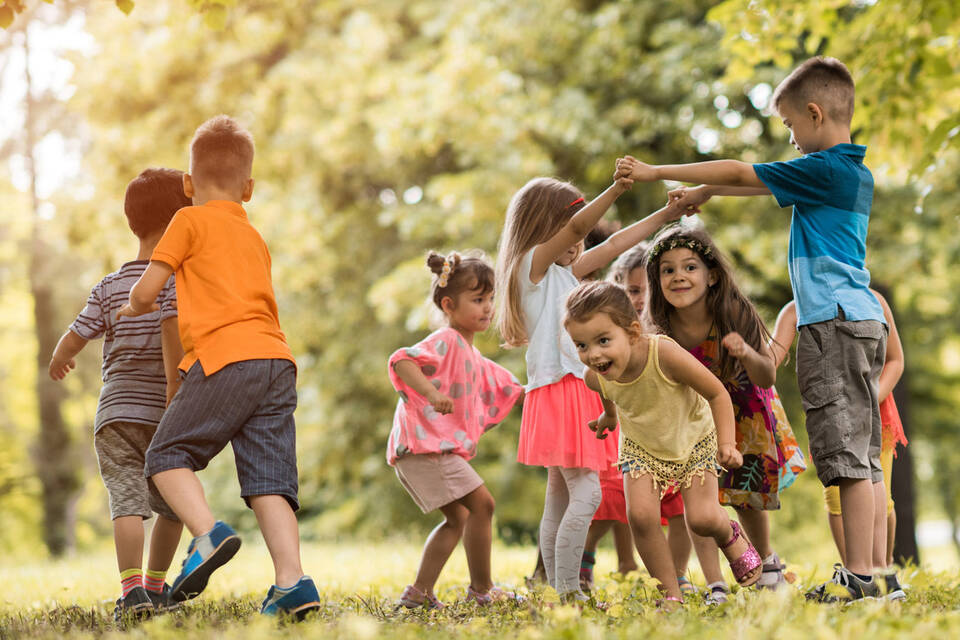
{"points": [[134, 382]]}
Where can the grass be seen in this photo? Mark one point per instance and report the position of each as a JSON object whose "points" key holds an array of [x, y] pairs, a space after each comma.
{"points": [[73, 598]]}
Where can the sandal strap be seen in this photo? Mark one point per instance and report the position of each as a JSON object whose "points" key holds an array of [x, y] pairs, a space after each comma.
{"points": [[737, 531]]}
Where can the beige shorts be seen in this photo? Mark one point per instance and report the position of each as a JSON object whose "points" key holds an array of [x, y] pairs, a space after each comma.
{"points": [[436, 479]]}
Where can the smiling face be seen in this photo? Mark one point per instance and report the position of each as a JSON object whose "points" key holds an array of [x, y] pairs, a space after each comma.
{"points": [[602, 344], [470, 310], [636, 285], [684, 278]]}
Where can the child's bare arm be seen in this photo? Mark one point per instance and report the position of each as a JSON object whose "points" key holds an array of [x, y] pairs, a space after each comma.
{"points": [[575, 230], [143, 295], [605, 252], [678, 364], [607, 421], [893, 363], [62, 360], [784, 332], [172, 350], [731, 173], [759, 365], [410, 373]]}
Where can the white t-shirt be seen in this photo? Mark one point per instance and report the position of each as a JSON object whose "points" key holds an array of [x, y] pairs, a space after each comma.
{"points": [[550, 352]]}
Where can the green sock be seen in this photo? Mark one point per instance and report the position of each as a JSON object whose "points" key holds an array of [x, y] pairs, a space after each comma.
{"points": [[589, 559]]}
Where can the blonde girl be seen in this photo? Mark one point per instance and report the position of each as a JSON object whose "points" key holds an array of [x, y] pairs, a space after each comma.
{"points": [[449, 396], [540, 260], [676, 425]]}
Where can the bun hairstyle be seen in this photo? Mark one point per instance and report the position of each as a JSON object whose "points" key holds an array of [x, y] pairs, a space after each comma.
{"points": [[454, 274]]}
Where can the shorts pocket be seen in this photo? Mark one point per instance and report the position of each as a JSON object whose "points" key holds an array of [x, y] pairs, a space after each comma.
{"points": [[869, 329], [827, 425]]}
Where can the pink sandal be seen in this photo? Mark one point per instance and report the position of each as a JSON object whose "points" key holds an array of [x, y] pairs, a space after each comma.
{"points": [[413, 598], [748, 561], [669, 608]]}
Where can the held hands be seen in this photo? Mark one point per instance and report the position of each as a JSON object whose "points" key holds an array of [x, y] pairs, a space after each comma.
{"points": [[737, 346], [689, 198], [728, 456], [602, 425], [130, 312], [60, 368], [630, 167], [440, 402]]}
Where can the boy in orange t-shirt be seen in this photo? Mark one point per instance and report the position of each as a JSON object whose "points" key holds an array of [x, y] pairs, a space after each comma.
{"points": [[239, 375]]}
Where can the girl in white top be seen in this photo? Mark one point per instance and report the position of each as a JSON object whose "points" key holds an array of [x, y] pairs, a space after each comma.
{"points": [[540, 260]]}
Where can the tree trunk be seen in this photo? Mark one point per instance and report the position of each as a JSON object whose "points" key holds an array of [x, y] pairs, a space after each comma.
{"points": [[53, 453]]}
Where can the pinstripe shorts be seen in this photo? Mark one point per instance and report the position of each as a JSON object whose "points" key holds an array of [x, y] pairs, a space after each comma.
{"points": [[249, 404]]}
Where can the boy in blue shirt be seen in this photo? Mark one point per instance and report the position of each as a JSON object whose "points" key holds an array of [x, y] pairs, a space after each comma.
{"points": [[842, 327]]}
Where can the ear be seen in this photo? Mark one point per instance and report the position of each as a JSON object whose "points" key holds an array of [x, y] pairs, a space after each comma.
{"points": [[815, 113], [634, 332], [248, 190], [448, 305], [188, 185], [713, 278]]}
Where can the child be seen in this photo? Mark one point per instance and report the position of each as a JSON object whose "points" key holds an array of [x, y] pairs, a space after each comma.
{"points": [[540, 260], [664, 399], [783, 336], [695, 300], [842, 329], [139, 378], [240, 376], [449, 396]]}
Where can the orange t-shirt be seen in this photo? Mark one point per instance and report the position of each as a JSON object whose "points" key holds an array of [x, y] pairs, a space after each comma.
{"points": [[225, 303]]}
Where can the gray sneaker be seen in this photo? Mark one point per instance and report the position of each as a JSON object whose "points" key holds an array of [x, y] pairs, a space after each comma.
{"points": [[856, 588], [136, 605], [163, 602]]}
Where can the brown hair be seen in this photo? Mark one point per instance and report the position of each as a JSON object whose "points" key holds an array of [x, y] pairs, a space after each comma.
{"points": [[152, 198], [823, 81], [221, 153], [731, 310], [466, 273], [591, 298], [628, 261], [536, 213]]}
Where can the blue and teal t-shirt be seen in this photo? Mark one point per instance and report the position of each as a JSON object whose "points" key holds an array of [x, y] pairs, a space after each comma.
{"points": [[831, 192]]}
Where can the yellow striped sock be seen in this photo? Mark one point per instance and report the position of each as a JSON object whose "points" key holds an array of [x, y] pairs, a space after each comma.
{"points": [[129, 579], [153, 580]]}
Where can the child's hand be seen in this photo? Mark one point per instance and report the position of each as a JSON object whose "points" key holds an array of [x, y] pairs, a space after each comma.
{"points": [[130, 312], [440, 402], [601, 425], [736, 345], [60, 368], [630, 167], [728, 456], [623, 184], [689, 198]]}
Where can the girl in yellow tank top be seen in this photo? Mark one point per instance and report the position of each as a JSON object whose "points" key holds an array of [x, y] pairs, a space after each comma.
{"points": [[676, 421]]}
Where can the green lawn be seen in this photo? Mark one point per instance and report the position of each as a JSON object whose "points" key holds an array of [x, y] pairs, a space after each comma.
{"points": [[73, 598]]}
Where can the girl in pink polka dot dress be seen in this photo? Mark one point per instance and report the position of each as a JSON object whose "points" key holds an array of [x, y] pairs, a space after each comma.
{"points": [[449, 396]]}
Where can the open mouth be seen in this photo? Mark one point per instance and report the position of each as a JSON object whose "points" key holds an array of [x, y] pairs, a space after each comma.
{"points": [[603, 367]]}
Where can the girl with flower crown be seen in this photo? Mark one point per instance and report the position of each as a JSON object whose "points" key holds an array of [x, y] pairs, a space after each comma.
{"points": [[449, 396], [694, 299]]}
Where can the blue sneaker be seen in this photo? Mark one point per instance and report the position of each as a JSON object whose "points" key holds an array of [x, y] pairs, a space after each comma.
{"points": [[298, 600], [205, 555]]}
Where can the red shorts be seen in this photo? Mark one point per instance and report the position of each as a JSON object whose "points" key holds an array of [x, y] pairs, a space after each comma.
{"points": [[613, 505], [671, 506]]}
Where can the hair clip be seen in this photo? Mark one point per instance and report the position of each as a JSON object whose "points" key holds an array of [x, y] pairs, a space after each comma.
{"points": [[577, 201], [444, 274]]}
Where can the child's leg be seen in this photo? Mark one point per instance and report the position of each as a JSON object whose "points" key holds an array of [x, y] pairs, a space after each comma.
{"points": [[583, 489], [891, 533], [623, 542], [181, 489], [554, 506], [598, 529], [128, 539], [708, 555], [163, 543], [756, 524], [440, 544], [478, 537], [643, 511], [679, 543], [706, 517], [879, 526], [836, 530], [857, 501], [278, 524]]}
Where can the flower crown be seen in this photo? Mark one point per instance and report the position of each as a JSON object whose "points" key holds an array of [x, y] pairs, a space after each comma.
{"points": [[681, 243], [444, 276]]}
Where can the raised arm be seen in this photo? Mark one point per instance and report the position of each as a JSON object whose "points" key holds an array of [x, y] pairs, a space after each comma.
{"points": [[678, 364], [62, 360], [784, 332], [143, 295], [731, 173], [893, 363], [172, 350], [605, 252], [575, 230]]}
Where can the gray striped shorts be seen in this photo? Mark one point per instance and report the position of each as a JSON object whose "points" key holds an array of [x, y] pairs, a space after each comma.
{"points": [[248, 404], [121, 447]]}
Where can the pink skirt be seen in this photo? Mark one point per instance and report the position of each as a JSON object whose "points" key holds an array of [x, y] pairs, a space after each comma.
{"points": [[554, 431]]}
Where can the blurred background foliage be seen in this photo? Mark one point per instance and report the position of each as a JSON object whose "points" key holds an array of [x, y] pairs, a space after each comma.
{"points": [[388, 128]]}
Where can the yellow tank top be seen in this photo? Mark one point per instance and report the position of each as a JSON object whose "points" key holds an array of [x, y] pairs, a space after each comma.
{"points": [[664, 417]]}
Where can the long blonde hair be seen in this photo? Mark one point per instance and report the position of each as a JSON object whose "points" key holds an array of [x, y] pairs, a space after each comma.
{"points": [[537, 212]]}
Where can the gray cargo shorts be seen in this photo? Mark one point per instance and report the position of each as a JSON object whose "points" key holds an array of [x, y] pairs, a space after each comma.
{"points": [[838, 366], [121, 449]]}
